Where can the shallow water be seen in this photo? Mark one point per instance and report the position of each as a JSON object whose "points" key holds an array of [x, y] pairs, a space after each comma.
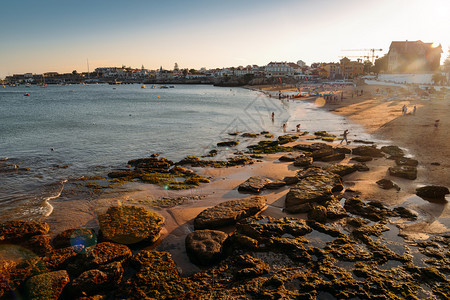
{"points": [[64, 132]]}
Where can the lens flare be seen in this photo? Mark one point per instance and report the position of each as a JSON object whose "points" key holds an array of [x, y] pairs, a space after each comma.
{"points": [[320, 102], [435, 45]]}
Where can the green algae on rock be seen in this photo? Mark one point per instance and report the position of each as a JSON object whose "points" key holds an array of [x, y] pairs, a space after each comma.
{"points": [[130, 225]]}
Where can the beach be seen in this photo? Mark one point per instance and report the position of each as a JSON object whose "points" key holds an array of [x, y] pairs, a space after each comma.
{"points": [[366, 203]]}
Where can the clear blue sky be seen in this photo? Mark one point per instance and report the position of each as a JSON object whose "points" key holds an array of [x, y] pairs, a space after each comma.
{"points": [[50, 35]]}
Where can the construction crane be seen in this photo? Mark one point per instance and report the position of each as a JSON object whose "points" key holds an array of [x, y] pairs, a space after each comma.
{"points": [[371, 51]]}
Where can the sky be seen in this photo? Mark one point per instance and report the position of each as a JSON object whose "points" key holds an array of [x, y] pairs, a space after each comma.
{"points": [[62, 35]]}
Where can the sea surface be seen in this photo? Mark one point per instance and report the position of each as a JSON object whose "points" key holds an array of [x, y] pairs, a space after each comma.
{"points": [[59, 133]]}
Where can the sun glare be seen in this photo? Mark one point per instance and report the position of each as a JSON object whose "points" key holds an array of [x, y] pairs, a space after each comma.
{"points": [[435, 45]]}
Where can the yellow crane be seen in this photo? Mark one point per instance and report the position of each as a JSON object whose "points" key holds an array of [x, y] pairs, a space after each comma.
{"points": [[371, 51]]}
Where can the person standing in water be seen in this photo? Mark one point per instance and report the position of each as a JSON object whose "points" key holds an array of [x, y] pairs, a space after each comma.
{"points": [[284, 127]]}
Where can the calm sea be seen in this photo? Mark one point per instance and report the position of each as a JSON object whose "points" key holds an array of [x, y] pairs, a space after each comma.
{"points": [[64, 132]]}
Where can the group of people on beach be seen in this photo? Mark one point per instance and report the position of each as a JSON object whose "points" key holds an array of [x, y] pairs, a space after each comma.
{"points": [[405, 110]]}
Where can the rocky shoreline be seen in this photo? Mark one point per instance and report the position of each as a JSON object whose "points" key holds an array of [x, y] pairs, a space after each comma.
{"points": [[327, 243]]}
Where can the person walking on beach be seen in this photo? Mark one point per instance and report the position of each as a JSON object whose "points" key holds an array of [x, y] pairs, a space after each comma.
{"points": [[284, 127], [344, 137], [436, 124], [273, 116], [414, 110], [298, 127]]}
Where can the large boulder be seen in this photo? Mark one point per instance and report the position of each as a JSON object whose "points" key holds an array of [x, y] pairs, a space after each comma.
{"points": [[130, 225], [310, 190], [229, 212], [254, 184], [393, 151], [432, 192], [18, 231], [406, 172], [47, 285], [371, 151], [317, 155], [205, 247]]}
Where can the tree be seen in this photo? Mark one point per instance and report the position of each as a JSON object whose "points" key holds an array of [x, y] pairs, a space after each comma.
{"points": [[185, 72], [367, 66], [192, 71], [381, 64], [74, 72]]}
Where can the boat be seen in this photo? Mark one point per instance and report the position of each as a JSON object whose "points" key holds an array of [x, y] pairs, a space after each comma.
{"points": [[26, 94], [163, 87], [171, 86], [143, 86]]}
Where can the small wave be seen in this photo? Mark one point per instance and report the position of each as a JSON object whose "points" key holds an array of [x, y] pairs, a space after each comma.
{"points": [[47, 208]]}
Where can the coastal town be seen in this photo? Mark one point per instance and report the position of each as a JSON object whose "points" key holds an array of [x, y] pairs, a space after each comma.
{"points": [[390, 67]]}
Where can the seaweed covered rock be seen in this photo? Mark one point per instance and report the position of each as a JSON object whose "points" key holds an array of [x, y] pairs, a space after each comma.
{"points": [[318, 213], [228, 144], [321, 153], [97, 256], [331, 157], [157, 277], [393, 151], [284, 139], [47, 285], [387, 184], [130, 225], [404, 161], [254, 184], [432, 192], [371, 151], [229, 212], [341, 170], [362, 158], [17, 231], [406, 172], [276, 184], [205, 247], [312, 147], [312, 189], [288, 157], [303, 161], [96, 281]]}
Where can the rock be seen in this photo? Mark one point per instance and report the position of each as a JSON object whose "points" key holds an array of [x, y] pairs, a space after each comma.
{"points": [[387, 184], [405, 213], [284, 139], [432, 192], [364, 142], [371, 151], [59, 259], [92, 282], [254, 184], [341, 170], [204, 247], [362, 158], [229, 212], [275, 185], [47, 285], [39, 244], [312, 171], [250, 135], [317, 155], [251, 267], [406, 172], [318, 213], [361, 167], [303, 161], [290, 180], [18, 231], [312, 147], [157, 277], [393, 150], [85, 237], [130, 225], [373, 211], [404, 161], [239, 161], [332, 157], [127, 174], [311, 190], [228, 144], [96, 256], [335, 210], [288, 157], [342, 150]]}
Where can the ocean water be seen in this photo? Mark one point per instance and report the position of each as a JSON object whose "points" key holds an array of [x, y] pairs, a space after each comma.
{"points": [[58, 133]]}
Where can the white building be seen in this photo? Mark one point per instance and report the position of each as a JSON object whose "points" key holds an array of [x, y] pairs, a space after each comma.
{"points": [[301, 63], [283, 69]]}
